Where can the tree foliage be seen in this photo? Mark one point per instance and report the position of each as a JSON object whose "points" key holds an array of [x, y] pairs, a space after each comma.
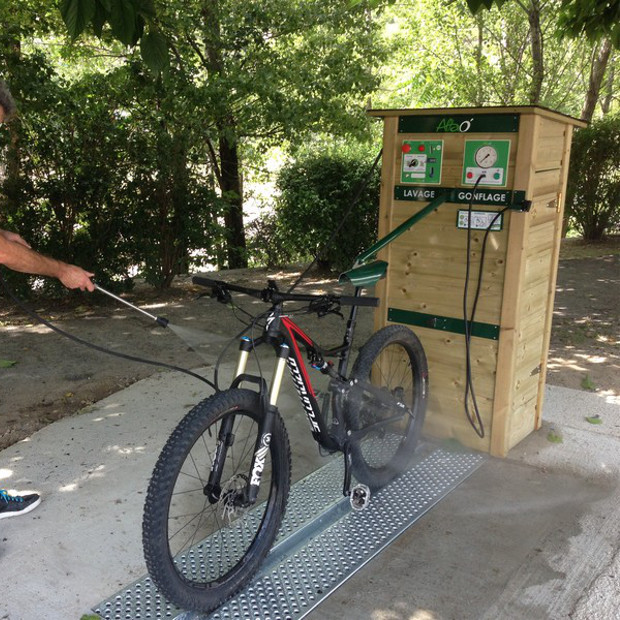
{"points": [[593, 192], [595, 19], [266, 70], [484, 60], [108, 173], [129, 21], [317, 191]]}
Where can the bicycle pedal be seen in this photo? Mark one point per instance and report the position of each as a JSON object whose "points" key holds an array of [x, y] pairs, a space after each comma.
{"points": [[360, 497]]}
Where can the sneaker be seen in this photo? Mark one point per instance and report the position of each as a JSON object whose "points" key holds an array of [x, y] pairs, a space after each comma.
{"points": [[13, 505]]}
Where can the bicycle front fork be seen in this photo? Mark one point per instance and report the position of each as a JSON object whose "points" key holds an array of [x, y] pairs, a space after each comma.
{"points": [[226, 436], [266, 426]]}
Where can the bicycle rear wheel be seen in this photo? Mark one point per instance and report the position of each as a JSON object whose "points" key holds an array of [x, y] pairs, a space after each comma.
{"points": [[390, 379], [203, 543]]}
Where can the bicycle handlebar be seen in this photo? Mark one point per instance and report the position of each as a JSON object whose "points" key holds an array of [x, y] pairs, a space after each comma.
{"points": [[272, 295]]}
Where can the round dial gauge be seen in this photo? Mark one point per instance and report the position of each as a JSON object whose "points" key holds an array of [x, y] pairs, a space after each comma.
{"points": [[486, 156]]}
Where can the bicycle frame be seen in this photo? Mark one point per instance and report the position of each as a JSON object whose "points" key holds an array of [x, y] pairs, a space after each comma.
{"points": [[288, 339]]}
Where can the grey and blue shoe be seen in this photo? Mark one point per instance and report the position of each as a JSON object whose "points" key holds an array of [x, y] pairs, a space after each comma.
{"points": [[14, 505]]}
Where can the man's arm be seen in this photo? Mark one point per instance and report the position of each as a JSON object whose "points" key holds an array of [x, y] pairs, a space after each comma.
{"points": [[16, 254]]}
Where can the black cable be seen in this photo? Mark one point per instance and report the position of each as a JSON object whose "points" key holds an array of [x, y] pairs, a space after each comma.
{"points": [[474, 419], [95, 347], [360, 189]]}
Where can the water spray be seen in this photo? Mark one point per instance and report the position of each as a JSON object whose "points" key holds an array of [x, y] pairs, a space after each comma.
{"points": [[158, 319]]}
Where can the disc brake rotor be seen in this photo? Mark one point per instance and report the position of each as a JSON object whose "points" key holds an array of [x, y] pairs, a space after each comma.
{"points": [[232, 505]]}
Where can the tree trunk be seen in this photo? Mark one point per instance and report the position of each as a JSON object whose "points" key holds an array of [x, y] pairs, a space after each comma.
{"points": [[227, 169], [479, 46], [599, 64], [606, 102], [538, 69], [230, 185]]}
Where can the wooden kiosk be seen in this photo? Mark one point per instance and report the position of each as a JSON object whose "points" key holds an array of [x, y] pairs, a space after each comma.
{"points": [[513, 160]]}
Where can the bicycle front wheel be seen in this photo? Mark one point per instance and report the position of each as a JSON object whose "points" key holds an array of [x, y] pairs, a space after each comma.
{"points": [[204, 541], [387, 403]]}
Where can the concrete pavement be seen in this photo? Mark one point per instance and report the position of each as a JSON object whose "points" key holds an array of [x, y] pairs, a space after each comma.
{"points": [[532, 536]]}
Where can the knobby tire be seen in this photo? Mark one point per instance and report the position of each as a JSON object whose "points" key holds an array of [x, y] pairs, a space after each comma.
{"points": [[200, 550], [392, 360]]}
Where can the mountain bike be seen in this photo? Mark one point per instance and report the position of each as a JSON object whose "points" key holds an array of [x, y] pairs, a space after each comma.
{"points": [[219, 489]]}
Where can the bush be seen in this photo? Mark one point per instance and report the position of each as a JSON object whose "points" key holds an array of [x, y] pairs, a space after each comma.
{"points": [[593, 191], [317, 190], [268, 244], [105, 179]]}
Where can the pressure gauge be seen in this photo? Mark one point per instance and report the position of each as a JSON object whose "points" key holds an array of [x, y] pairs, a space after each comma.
{"points": [[486, 156]]}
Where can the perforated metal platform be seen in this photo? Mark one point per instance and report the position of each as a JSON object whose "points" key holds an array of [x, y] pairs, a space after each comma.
{"points": [[322, 542]]}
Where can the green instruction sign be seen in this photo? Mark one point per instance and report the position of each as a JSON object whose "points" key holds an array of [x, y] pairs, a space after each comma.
{"points": [[421, 161]]}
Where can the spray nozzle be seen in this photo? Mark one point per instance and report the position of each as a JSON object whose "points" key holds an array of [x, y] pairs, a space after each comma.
{"points": [[158, 319]]}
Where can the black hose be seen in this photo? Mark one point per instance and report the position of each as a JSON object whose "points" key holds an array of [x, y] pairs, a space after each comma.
{"points": [[90, 345]]}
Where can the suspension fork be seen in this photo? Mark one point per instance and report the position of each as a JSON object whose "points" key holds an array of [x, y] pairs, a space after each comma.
{"points": [[225, 436], [263, 441]]}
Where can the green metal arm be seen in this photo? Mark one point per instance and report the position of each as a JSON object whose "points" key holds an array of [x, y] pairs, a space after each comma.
{"points": [[366, 255]]}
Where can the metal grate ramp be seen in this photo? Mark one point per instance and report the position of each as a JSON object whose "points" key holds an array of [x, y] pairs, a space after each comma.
{"points": [[322, 542]]}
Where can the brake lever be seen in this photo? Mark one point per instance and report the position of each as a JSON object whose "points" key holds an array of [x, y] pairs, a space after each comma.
{"points": [[324, 306]]}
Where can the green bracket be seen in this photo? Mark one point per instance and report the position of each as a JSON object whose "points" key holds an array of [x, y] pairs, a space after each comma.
{"points": [[443, 323], [366, 275], [514, 200]]}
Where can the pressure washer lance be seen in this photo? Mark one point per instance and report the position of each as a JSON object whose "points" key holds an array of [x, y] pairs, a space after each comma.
{"points": [[158, 319]]}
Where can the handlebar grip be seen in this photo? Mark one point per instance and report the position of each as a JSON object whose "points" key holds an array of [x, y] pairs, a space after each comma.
{"points": [[205, 281]]}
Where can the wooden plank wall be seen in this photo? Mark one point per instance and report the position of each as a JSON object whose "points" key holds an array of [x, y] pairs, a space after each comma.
{"points": [[546, 169]]}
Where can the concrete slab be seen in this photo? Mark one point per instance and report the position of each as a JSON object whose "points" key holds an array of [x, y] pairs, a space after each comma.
{"points": [[531, 536]]}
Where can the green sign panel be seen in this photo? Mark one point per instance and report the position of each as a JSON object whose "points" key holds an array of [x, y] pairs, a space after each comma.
{"points": [[459, 123], [485, 162], [421, 161], [497, 198]]}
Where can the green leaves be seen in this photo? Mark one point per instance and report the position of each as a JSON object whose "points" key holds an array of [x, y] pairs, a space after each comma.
{"points": [[128, 20], [595, 419], [554, 437], [124, 21], [154, 50], [7, 363], [77, 14], [593, 18]]}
